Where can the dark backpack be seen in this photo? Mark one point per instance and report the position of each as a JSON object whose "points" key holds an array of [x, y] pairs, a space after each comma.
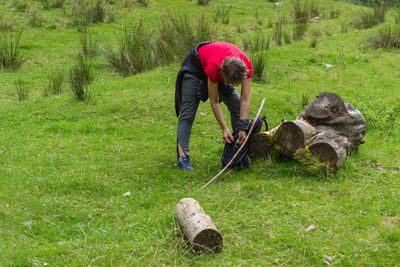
{"points": [[242, 161]]}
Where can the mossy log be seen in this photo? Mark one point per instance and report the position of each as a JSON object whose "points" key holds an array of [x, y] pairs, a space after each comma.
{"points": [[198, 227], [329, 128]]}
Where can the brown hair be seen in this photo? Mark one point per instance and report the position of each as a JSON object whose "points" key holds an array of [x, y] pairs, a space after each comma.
{"points": [[233, 70]]}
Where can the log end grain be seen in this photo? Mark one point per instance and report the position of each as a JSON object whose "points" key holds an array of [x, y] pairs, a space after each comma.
{"points": [[208, 240]]}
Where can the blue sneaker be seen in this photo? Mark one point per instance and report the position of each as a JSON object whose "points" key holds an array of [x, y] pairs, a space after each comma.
{"points": [[184, 163]]}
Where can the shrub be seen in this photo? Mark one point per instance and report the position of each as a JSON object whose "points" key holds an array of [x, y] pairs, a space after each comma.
{"points": [[180, 33], [55, 82], [10, 55], [21, 90], [136, 52], [387, 36], [80, 77]]}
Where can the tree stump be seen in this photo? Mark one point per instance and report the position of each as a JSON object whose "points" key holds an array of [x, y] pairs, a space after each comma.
{"points": [[198, 227], [327, 130]]}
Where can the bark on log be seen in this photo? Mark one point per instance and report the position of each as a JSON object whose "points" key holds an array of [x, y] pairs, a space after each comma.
{"points": [[328, 128], [198, 227]]}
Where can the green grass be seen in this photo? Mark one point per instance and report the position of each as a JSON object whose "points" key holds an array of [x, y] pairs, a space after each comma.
{"points": [[65, 164]]}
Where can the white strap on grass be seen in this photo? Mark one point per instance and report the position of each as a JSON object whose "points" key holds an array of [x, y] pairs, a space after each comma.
{"points": [[237, 153]]}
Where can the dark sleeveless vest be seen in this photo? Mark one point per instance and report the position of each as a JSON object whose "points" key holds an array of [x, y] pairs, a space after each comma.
{"points": [[192, 65]]}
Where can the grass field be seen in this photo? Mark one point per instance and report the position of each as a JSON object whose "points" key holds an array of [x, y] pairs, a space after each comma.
{"points": [[65, 164]]}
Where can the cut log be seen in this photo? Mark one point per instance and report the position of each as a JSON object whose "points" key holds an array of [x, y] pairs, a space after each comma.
{"points": [[328, 128], [198, 227]]}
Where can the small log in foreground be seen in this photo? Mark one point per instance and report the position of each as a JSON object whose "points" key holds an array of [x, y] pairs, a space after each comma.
{"points": [[325, 132], [198, 227]]}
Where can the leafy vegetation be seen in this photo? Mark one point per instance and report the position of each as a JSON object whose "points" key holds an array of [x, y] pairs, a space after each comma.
{"points": [[66, 165], [80, 77]]}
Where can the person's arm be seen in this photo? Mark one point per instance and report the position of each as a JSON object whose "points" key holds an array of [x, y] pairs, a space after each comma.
{"points": [[214, 101], [244, 105]]}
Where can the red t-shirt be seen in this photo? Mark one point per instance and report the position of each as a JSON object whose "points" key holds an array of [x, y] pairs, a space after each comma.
{"points": [[212, 55]]}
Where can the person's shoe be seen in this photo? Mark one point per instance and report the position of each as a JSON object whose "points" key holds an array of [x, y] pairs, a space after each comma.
{"points": [[184, 163]]}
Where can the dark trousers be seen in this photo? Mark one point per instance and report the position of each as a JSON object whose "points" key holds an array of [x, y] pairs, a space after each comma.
{"points": [[189, 105]]}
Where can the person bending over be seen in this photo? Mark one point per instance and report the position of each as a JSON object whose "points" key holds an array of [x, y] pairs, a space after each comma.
{"points": [[209, 71]]}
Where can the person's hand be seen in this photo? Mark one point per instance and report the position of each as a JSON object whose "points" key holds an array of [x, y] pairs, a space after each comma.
{"points": [[241, 137], [227, 136]]}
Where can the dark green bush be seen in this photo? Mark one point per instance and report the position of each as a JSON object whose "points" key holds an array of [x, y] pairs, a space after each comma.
{"points": [[258, 59]]}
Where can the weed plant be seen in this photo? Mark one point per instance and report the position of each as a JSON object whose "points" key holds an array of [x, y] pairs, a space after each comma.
{"points": [[387, 36], [80, 77], [21, 90], [55, 81], [10, 52], [135, 52], [397, 18]]}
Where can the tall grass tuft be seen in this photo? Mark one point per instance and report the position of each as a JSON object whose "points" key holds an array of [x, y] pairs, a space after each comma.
{"points": [[180, 33], [80, 77], [21, 90], [145, 3], [387, 36], [223, 14], [203, 2], [397, 18], [258, 60], [88, 44], [55, 82], [10, 54], [303, 11], [5, 23], [135, 52], [95, 12], [259, 41], [35, 19], [85, 12], [370, 18]]}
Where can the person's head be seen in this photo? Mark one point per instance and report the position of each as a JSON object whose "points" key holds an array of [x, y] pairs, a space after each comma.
{"points": [[233, 70]]}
